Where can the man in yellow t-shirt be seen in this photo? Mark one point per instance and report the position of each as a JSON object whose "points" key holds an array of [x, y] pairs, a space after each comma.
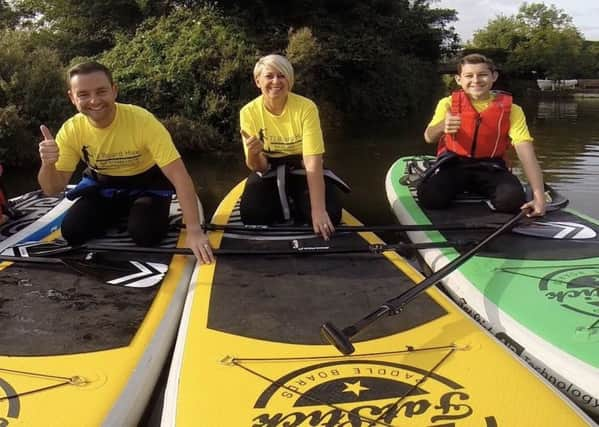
{"points": [[473, 128], [132, 166]]}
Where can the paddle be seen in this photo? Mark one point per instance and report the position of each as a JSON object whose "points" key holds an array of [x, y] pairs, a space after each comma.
{"points": [[341, 338], [295, 249], [129, 273], [543, 229]]}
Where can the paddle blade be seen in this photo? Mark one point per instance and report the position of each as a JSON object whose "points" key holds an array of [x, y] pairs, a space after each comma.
{"points": [[556, 230], [128, 273], [335, 337]]}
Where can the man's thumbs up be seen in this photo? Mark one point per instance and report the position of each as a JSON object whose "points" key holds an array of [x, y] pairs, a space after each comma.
{"points": [[48, 148]]}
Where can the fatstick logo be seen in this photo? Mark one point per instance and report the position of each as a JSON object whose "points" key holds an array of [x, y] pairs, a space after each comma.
{"points": [[365, 393], [10, 408], [575, 289]]}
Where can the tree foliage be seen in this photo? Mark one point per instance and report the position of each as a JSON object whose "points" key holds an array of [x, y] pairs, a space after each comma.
{"points": [[190, 61], [353, 46], [32, 92], [539, 38], [8, 17], [80, 27], [193, 64]]}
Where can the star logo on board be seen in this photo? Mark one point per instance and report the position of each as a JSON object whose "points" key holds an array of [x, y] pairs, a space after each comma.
{"points": [[355, 388]]}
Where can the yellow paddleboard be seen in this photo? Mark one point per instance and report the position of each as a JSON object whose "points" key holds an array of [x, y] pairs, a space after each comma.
{"points": [[83, 349], [249, 353]]}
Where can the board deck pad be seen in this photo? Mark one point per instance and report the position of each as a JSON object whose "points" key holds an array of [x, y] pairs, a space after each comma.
{"points": [[253, 297], [512, 245], [55, 310]]}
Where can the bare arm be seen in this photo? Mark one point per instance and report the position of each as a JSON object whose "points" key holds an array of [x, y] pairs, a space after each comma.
{"points": [[320, 218], [50, 180], [196, 238], [534, 175], [451, 124], [433, 133]]}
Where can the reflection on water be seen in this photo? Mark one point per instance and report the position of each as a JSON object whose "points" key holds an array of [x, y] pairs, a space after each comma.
{"points": [[557, 110], [567, 145], [566, 141]]}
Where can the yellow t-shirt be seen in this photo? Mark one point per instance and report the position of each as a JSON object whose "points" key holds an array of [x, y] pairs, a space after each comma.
{"points": [[133, 143], [518, 127], [295, 131]]}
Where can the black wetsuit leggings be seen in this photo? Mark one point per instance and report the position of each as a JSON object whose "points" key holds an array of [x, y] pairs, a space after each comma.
{"points": [[92, 214], [260, 203], [491, 180]]}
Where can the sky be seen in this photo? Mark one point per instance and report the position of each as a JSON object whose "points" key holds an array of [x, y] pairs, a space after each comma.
{"points": [[474, 15]]}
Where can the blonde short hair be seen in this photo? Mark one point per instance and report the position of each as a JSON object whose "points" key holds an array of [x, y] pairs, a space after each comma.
{"points": [[279, 63]]}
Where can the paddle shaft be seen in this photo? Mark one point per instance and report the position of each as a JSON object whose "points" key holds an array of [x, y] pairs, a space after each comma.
{"points": [[32, 259], [258, 229], [301, 250], [396, 305]]}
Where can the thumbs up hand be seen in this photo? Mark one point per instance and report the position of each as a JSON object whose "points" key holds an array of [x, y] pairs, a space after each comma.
{"points": [[48, 148], [452, 123]]}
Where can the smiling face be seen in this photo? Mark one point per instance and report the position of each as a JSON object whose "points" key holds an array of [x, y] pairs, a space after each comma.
{"points": [[94, 96], [273, 84], [476, 80]]}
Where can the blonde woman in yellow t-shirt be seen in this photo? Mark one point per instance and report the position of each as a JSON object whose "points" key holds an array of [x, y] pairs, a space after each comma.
{"points": [[474, 127], [280, 127], [132, 166]]}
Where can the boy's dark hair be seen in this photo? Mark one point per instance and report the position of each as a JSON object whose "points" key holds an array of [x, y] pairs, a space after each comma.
{"points": [[88, 68], [476, 58]]}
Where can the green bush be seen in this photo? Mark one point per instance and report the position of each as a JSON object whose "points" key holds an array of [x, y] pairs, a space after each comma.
{"points": [[32, 92], [194, 65], [192, 135]]}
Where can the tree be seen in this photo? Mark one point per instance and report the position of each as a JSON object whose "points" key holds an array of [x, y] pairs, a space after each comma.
{"points": [[8, 16], [32, 91], [80, 27], [191, 68], [357, 45], [539, 38]]}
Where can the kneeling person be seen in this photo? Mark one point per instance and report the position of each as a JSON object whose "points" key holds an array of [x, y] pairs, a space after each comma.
{"points": [[474, 127], [284, 148], [132, 166]]}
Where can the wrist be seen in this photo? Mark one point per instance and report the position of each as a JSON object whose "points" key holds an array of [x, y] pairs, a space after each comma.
{"points": [[194, 227]]}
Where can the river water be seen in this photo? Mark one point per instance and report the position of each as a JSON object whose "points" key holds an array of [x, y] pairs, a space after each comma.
{"points": [[566, 133]]}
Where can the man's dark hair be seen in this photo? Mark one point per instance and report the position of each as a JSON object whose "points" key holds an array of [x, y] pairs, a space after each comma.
{"points": [[476, 58], [88, 68]]}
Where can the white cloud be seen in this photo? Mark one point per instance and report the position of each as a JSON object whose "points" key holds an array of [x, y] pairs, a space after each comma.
{"points": [[475, 15]]}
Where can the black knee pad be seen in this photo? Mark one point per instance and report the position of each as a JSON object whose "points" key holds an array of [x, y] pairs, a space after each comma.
{"points": [[146, 237], [431, 199], [508, 199]]}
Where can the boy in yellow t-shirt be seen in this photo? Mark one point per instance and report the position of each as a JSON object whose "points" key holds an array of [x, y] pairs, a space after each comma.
{"points": [[474, 127], [132, 166]]}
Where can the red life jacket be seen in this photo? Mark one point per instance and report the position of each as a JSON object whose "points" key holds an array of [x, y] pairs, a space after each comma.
{"points": [[481, 135]]}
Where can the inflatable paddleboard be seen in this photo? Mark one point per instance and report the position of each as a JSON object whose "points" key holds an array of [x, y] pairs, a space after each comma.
{"points": [[536, 289], [84, 340]]}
